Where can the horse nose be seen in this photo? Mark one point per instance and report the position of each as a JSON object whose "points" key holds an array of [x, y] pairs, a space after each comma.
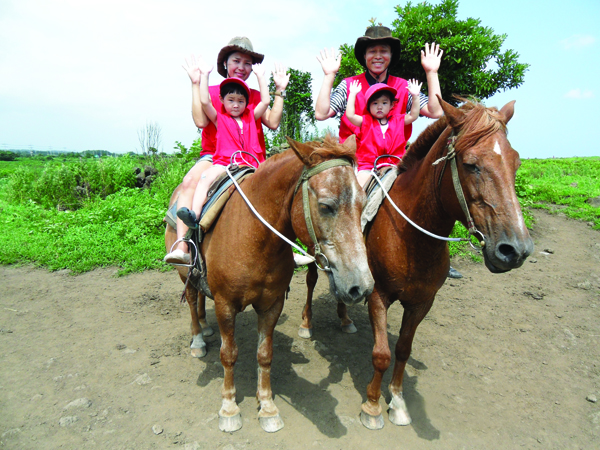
{"points": [[512, 254], [359, 291]]}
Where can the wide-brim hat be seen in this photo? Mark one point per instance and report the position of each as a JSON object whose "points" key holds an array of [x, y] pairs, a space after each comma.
{"points": [[376, 36], [237, 44], [377, 87], [236, 81]]}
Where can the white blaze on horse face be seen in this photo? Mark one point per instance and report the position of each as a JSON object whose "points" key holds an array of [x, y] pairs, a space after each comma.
{"points": [[497, 148]]}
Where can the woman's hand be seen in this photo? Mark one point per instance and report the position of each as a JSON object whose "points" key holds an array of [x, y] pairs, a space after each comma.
{"points": [[431, 57], [191, 67], [280, 77], [329, 61]]}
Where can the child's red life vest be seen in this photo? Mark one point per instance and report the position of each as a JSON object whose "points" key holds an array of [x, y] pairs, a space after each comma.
{"points": [[346, 127], [230, 137], [209, 134], [373, 143]]}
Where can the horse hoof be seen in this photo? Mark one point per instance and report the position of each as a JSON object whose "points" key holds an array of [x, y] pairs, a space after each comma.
{"points": [[207, 331], [305, 333], [199, 352], [399, 417], [371, 422], [230, 424], [350, 328], [271, 424]]}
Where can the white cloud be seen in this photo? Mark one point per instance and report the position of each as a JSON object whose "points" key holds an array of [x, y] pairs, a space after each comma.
{"points": [[579, 94], [577, 41]]}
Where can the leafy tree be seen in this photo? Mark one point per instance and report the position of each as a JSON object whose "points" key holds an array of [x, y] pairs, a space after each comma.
{"points": [[6, 155], [472, 65], [298, 113]]}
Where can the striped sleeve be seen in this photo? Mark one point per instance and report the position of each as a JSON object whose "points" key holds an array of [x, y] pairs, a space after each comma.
{"points": [[339, 98], [423, 100]]}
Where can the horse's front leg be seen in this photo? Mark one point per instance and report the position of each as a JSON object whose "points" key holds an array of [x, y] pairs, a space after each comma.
{"points": [[370, 415], [268, 416], [305, 331], [346, 323], [412, 317], [230, 417]]}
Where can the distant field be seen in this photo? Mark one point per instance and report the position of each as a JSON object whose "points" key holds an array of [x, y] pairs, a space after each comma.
{"points": [[83, 213]]}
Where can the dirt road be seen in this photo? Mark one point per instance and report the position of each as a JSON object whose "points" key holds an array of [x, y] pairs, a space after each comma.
{"points": [[501, 362]]}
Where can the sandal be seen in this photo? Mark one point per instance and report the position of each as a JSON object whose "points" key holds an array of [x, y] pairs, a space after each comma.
{"points": [[178, 257], [188, 217]]}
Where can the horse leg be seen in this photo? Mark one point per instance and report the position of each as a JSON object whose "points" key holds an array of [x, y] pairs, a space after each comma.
{"points": [[206, 328], [346, 322], [230, 417], [370, 414], [412, 317], [198, 346], [268, 416], [305, 331]]}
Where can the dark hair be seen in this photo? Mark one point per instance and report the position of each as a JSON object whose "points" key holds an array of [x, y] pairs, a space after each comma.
{"points": [[233, 88], [377, 95]]}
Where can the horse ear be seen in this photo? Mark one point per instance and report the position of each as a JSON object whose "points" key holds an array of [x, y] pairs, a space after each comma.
{"points": [[453, 114], [508, 110], [303, 151], [350, 143]]}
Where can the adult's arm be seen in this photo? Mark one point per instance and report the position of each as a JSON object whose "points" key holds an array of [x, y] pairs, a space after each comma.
{"points": [[430, 60], [191, 67], [330, 63], [272, 116]]}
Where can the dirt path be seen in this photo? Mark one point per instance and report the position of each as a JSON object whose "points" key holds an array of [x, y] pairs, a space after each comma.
{"points": [[501, 362]]}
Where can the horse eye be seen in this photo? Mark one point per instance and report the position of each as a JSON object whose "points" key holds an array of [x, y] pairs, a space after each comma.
{"points": [[326, 209], [471, 168]]}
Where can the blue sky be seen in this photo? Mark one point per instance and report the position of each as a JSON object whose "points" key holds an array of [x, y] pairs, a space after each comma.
{"points": [[89, 74]]}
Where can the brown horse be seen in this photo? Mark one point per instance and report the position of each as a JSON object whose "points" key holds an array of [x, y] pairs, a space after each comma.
{"points": [[411, 266], [247, 264]]}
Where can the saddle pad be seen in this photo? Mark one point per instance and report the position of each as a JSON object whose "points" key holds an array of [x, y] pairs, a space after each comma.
{"points": [[218, 194], [375, 194]]}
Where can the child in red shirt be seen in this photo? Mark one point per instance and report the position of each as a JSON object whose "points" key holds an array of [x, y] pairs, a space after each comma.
{"points": [[380, 133]]}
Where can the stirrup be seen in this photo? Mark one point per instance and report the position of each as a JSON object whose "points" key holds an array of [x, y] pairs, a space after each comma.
{"points": [[193, 260]]}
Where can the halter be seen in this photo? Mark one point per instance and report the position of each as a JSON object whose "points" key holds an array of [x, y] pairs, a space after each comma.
{"points": [[451, 156], [303, 180]]}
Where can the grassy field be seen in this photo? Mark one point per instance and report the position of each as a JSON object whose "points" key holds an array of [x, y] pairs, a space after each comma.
{"points": [[80, 214]]}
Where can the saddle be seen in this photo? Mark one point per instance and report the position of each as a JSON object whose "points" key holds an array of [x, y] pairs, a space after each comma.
{"points": [[219, 192], [375, 193]]}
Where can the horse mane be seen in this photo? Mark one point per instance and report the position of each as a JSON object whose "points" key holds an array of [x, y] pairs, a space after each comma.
{"points": [[477, 122], [330, 148]]}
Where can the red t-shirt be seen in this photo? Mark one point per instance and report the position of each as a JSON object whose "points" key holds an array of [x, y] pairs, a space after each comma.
{"points": [[230, 138]]}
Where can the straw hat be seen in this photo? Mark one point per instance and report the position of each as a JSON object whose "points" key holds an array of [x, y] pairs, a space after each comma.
{"points": [[377, 35], [237, 44]]}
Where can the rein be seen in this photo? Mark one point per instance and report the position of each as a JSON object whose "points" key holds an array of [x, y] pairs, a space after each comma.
{"points": [[450, 156], [303, 180]]}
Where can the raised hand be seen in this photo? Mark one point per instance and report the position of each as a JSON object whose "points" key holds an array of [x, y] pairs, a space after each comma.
{"points": [[191, 67], [280, 77], [414, 87], [431, 57], [258, 70], [330, 62], [355, 87], [204, 67]]}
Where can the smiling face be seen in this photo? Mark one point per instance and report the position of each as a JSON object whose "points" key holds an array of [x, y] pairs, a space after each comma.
{"points": [[377, 58], [381, 106], [239, 65]]}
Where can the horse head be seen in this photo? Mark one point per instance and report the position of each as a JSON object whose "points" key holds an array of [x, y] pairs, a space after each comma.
{"points": [[335, 202], [486, 165]]}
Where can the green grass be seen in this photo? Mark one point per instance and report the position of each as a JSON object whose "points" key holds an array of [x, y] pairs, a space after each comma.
{"points": [[117, 225]]}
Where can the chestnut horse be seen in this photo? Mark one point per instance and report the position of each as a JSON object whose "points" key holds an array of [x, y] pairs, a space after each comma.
{"points": [[247, 264], [411, 266]]}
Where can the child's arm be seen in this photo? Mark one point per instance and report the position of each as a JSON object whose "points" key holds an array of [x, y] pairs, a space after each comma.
{"points": [[191, 67], [265, 99], [414, 87], [207, 106], [354, 118]]}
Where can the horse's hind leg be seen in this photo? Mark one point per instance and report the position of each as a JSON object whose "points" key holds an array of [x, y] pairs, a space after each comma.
{"points": [[346, 322], [230, 417], [206, 328], [269, 417], [371, 410], [412, 317], [305, 331], [198, 346]]}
